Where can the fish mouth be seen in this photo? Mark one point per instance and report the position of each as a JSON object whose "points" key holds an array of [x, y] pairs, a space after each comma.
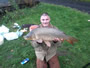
{"points": [[25, 38]]}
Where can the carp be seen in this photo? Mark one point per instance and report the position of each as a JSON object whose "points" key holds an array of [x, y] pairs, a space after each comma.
{"points": [[48, 34]]}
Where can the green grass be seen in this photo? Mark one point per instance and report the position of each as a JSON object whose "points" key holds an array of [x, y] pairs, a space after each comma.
{"points": [[81, 0], [71, 21], [85, 0]]}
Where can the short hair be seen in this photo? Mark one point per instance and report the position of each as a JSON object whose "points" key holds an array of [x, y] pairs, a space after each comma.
{"points": [[45, 14]]}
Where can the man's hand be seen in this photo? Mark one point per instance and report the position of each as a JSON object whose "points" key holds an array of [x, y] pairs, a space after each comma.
{"points": [[57, 39]]}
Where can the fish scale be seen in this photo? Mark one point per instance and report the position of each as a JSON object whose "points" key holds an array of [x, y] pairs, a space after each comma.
{"points": [[49, 33]]}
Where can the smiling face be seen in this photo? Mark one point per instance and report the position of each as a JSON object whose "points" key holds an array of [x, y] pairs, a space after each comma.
{"points": [[45, 20]]}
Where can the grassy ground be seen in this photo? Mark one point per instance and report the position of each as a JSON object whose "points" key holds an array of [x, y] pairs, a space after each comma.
{"points": [[71, 21], [86, 0], [82, 0]]}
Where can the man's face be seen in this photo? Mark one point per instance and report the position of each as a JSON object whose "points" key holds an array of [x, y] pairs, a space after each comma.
{"points": [[45, 20]]}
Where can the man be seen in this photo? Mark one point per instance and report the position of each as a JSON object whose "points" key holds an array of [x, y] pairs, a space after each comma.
{"points": [[46, 56]]}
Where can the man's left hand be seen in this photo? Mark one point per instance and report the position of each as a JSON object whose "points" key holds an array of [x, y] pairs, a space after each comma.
{"points": [[57, 39]]}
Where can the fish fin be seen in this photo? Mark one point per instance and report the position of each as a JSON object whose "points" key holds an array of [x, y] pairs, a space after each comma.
{"points": [[71, 40], [48, 43]]}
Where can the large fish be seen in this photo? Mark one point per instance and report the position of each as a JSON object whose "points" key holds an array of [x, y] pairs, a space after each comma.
{"points": [[48, 34]]}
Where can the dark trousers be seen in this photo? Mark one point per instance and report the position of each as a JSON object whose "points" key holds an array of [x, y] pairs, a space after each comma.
{"points": [[52, 63]]}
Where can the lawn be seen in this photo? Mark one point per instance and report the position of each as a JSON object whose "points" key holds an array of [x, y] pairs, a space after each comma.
{"points": [[71, 21], [81, 0]]}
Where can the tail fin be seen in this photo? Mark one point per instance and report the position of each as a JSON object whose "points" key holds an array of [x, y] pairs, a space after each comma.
{"points": [[71, 40]]}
